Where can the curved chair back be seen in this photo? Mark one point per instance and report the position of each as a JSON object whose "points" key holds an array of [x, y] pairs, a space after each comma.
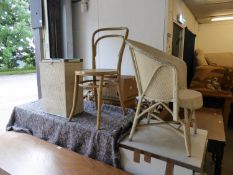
{"points": [[96, 40], [158, 75]]}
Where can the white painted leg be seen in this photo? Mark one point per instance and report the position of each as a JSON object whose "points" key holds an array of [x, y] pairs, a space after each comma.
{"points": [[194, 121], [135, 121], [186, 116], [148, 118], [187, 137]]}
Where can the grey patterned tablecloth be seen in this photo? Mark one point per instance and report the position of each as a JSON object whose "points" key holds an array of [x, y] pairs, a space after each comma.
{"points": [[80, 134]]}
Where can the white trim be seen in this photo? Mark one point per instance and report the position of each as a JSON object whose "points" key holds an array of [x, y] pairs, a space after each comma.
{"points": [[181, 45], [166, 16], [67, 29], [46, 33]]}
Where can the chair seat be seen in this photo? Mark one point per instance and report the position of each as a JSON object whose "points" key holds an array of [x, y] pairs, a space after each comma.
{"points": [[190, 99], [96, 72], [101, 77]]}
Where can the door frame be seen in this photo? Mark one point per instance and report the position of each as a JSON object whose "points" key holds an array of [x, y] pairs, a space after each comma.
{"points": [[182, 36]]}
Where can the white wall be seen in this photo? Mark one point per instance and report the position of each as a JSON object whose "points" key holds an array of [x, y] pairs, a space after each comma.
{"points": [[176, 7], [179, 7], [216, 37], [67, 33], [45, 35], [145, 20]]}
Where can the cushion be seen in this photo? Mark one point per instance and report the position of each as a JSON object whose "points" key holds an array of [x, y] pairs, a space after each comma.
{"points": [[201, 61], [190, 99], [199, 51], [220, 59]]}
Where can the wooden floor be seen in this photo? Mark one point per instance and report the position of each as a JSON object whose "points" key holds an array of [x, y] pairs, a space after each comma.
{"points": [[22, 154]]}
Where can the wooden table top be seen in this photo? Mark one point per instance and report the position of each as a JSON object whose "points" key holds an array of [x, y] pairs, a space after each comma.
{"points": [[163, 143], [22, 154], [212, 121]]}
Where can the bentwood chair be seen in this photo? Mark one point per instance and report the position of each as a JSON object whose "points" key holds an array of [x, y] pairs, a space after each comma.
{"points": [[162, 79], [102, 77]]}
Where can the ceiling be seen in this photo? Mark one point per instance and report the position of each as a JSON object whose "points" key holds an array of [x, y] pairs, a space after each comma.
{"points": [[204, 10]]}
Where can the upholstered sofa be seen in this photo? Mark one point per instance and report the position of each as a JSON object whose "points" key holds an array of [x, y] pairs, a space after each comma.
{"points": [[214, 71], [224, 59], [213, 77]]}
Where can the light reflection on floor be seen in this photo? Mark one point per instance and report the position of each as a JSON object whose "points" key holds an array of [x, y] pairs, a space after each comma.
{"points": [[15, 90]]}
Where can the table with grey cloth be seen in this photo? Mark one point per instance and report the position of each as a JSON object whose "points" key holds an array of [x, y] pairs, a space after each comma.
{"points": [[80, 134]]}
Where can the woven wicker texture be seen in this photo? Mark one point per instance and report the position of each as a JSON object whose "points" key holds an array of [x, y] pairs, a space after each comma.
{"points": [[162, 78]]}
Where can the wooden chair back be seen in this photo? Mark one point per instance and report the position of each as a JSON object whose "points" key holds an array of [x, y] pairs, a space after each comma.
{"points": [[95, 41]]}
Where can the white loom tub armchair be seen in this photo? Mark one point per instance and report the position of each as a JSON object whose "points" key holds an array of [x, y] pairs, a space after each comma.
{"points": [[162, 79]]}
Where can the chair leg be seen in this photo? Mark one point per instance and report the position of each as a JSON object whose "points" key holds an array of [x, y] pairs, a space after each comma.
{"points": [[187, 137], [120, 96], [75, 94], [148, 118], [99, 102], [186, 116], [194, 121], [95, 93], [148, 115], [135, 121]]}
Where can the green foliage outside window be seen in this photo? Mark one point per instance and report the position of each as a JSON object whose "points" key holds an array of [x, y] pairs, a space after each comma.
{"points": [[15, 34]]}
